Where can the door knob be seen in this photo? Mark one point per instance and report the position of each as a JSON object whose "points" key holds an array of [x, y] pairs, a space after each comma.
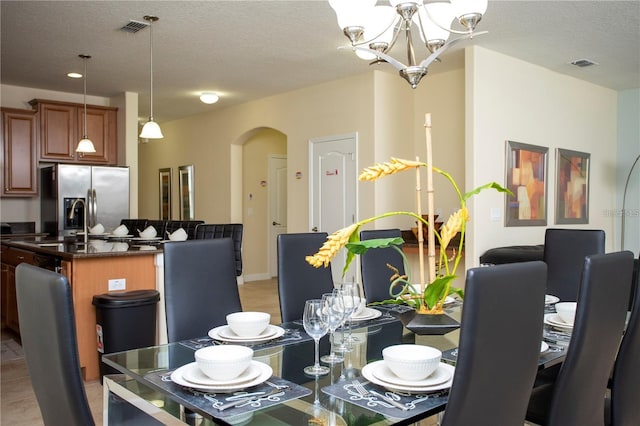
{"points": [[274, 223], [314, 229]]}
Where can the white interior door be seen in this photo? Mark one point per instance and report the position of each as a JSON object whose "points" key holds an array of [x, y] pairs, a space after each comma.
{"points": [[333, 191], [277, 185]]}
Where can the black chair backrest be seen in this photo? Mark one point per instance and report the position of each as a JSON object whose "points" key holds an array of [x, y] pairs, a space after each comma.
{"points": [[600, 317], [373, 265], [188, 225], [48, 331], [200, 286], [133, 225], [625, 390], [564, 253], [226, 230], [492, 384], [297, 280]]}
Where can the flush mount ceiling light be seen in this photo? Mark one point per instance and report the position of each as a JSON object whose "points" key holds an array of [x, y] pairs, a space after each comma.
{"points": [[374, 30], [74, 75], [151, 129], [85, 144], [209, 98]]}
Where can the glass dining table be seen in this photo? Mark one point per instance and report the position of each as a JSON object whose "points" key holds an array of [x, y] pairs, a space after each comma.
{"points": [[151, 390]]}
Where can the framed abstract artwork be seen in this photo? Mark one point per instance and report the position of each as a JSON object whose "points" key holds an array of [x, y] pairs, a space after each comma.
{"points": [[572, 187], [526, 178], [165, 194]]}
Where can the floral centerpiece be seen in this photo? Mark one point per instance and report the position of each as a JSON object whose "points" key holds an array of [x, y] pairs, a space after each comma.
{"points": [[425, 298]]}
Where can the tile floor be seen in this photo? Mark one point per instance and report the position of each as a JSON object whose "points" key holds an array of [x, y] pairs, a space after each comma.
{"points": [[18, 406]]}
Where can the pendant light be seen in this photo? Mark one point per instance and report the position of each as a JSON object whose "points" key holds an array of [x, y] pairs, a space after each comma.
{"points": [[151, 129], [85, 144]]}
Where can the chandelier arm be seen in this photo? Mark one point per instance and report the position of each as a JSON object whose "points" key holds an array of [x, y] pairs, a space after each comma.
{"points": [[393, 62], [446, 46], [411, 53], [451, 30], [395, 34]]}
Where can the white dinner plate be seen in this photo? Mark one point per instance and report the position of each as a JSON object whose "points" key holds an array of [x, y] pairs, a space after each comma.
{"points": [[555, 321], [367, 314], [215, 335], [367, 373], [384, 373], [550, 299], [265, 373], [120, 236], [228, 333], [544, 347], [449, 300], [192, 373], [146, 239]]}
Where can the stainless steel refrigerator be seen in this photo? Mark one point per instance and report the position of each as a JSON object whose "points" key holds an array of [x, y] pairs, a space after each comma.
{"points": [[104, 190]]}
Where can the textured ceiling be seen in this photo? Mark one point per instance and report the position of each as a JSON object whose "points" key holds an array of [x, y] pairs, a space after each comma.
{"points": [[246, 50]]}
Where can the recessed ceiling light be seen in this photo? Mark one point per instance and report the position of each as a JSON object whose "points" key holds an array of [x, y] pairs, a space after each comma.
{"points": [[74, 75], [583, 63], [209, 98]]}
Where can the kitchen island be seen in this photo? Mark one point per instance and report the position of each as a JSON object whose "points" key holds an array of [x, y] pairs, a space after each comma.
{"points": [[89, 270]]}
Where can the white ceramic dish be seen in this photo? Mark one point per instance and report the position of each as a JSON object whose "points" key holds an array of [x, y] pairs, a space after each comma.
{"points": [[448, 300], [550, 299], [119, 236], [382, 372], [367, 373], [146, 239], [544, 347], [228, 333], [367, 314], [192, 373], [555, 321], [265, 372], [215, 335]]}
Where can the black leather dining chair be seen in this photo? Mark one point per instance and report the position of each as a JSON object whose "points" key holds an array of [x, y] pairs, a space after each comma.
{"points": [[200, 286], [500, 337], [576, 395], [225, 230], [373, 265], [297, 280], [564, 253], [49, 340], [624, 402]]}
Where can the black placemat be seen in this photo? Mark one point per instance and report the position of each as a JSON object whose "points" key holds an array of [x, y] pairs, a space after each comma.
{"points": [[208, 401], [416, 404], [291, 335]]}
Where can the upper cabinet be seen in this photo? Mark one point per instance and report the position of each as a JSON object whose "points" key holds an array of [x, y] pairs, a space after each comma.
{"points": [[19, 153], [61, 126]]}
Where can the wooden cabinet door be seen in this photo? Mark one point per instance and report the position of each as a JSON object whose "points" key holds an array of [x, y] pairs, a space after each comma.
{"points": [[3, 294], [101, 129], [58, 131], [12, 300], [19, 153]]}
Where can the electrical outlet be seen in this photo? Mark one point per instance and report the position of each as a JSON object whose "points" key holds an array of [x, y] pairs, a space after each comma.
{"points": [[117, 284]]}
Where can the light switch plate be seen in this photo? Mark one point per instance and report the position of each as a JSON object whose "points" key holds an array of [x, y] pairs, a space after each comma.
{"points": [[117, 284], [496, 214]]}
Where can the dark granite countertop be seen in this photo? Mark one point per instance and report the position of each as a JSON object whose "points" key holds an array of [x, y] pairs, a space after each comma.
{"points": [[72, 248]]}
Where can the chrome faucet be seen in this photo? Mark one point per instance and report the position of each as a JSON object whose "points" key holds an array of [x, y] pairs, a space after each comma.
{"points": [[84, 224]]}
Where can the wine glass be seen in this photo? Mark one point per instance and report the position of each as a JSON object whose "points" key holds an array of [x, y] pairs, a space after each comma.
{"points": [[352, 296], [316, 328], [333, 314]]}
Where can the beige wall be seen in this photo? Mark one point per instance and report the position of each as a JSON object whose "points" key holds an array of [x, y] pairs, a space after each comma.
{"points": [[508, 99], [255, 165]]}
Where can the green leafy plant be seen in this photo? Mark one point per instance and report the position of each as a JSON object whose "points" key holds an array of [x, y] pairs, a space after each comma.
{"points": [[431, 297]]}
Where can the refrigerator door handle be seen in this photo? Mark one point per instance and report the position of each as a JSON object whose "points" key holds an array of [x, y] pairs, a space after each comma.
{"points": [[94, 201]]}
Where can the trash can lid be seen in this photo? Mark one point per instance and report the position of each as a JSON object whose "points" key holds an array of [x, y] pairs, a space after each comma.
{"points": [[122, 299]]}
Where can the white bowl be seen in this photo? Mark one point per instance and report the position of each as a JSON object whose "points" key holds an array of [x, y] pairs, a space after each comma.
{"points": [[411, 362], [149, 232], [98, 229], [248, 324], [178, 235], [223, 362], [120, 231], [566, 311]]}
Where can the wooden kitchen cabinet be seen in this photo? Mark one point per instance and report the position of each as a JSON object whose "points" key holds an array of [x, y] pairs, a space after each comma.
{"points": [[11, 258], [61, 127], [19, 153]]}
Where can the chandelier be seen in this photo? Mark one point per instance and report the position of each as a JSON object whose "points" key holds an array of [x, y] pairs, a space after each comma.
{"points": [[374, 30]]}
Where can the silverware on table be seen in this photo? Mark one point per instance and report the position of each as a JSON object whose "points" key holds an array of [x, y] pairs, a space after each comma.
{"points": [[365, 393], [250, 399]]}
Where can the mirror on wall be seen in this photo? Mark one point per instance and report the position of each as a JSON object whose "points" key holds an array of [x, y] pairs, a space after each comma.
{"points": [[165, 194], [185, 174]]}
